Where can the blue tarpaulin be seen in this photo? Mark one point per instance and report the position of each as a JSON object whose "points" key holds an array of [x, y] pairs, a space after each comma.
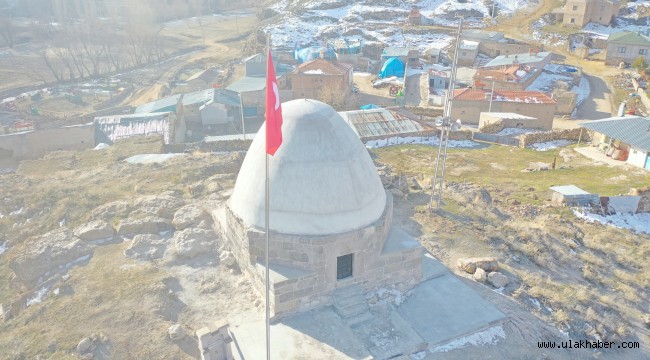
{"points": [[392, 67], [313, 53], [369, 106]]}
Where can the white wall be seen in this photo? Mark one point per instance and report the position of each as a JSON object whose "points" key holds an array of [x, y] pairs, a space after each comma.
{"points": [[636, 157]]}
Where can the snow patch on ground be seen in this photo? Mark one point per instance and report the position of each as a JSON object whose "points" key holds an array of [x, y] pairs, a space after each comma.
{"points": [[372, 144], [101, 146], [487, 337], [37, 298], [515, 131], [550, 145], [635, 222], [377, 21], [150, 158], [3, 247]]}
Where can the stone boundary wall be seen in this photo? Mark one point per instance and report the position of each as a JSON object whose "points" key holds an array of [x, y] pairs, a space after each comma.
{"points": [[212, 146], [566, 134], [492, 127], [430, 112], [461, 135]]}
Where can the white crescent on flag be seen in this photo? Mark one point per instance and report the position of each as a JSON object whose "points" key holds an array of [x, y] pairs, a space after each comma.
{"points": [[276, 92]]}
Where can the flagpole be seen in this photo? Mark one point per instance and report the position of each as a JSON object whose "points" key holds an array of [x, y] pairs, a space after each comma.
{"points": [[266, 207]]}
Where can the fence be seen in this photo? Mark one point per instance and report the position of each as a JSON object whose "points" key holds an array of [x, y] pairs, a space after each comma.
{"points": [[497, 139]]}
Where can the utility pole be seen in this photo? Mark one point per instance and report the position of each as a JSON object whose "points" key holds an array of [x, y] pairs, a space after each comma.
{"points": [[445, 126]]}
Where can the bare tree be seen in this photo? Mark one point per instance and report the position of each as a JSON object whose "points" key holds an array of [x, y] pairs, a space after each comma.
{"points": [[7, 31]]}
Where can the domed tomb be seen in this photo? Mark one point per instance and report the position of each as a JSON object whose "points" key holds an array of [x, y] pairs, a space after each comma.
{"points": [[330, 217], [322, 180]]}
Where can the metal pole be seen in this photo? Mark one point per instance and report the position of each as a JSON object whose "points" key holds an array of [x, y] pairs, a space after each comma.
{"points": [[241, 108], [491, 97], [266, 264], [266, 222], [444, 163], [446, 117]]}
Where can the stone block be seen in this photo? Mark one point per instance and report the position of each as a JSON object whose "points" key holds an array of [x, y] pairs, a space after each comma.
{"points": [[469, 265]]}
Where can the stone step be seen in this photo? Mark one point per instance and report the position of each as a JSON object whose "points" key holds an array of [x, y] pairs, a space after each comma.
{"points": [[352, 310], [349, 291], [349, 300], [359, 319]]}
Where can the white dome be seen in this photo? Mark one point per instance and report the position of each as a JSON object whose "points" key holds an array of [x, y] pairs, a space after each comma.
{"points": [[322, 180]]}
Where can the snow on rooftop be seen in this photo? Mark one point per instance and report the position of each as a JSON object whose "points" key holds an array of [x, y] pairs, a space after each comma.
{"points": [[314, 72]]}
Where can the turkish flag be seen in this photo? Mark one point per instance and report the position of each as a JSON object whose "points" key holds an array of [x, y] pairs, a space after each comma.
{"points": [[273, 109]]}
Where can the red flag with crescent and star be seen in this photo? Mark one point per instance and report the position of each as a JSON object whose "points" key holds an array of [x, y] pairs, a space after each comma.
{"points": [[273, 109]]}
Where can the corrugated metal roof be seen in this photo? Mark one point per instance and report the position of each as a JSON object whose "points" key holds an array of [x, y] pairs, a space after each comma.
{"points": [[525, 58], [569, 190], [483, 35], [111, 128], [633, 130], [396, 51], [380, 122], [169, 103], [629, 38], [248, 83], [503, 95]]}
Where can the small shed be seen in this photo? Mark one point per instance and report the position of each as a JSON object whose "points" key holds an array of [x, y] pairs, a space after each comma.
{"points": [[572, 195]]}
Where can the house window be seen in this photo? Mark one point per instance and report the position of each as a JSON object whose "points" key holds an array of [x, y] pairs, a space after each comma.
{"points": [[643, 51], [573, 20], [344, 266], [575, 7], [621, 50]]}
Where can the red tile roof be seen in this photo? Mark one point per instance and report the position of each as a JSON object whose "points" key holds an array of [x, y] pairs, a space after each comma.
{"points": [[503, 95]]}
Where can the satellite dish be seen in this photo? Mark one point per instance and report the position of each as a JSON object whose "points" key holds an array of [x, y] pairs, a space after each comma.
{"points": [[439, 121], [456, 125]]}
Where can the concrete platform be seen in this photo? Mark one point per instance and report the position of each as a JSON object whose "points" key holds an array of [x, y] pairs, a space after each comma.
{"points": [[437, 311], [443, 308]]}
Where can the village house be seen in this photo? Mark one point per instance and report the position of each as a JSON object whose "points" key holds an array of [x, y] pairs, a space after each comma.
{"points": [[581, 12], [469, 103], [625, 47], [252, 87], [630, 135], [494, 43], [467, 52], [408, 56], [207, 78], [536, 60], [209, 111], [311, 78], [438, 79], [514, 77]]}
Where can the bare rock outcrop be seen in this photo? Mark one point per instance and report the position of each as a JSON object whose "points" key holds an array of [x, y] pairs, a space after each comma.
{"points": [[189, 216], [111, 210], [176, 332], [146, 247], [480, 275], [164, 205], [190, 243], [95, 230], [469, 265], [145, 225], [48, 252], [497, 279]]}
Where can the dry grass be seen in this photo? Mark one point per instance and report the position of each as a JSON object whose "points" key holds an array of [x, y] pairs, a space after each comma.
{"points": [[590, 280]]}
